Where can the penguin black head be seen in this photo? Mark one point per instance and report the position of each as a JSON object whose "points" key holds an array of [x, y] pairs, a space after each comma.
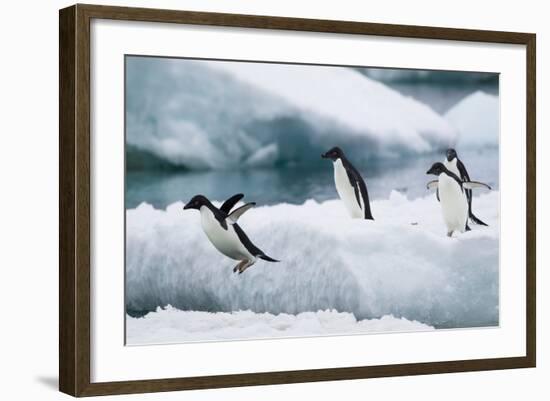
{"points": [[436, 169], [451, 154], [196, 202], [333, 154]]}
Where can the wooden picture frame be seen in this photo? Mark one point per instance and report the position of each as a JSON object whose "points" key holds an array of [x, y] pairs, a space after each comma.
{"points": [[75, 207]]}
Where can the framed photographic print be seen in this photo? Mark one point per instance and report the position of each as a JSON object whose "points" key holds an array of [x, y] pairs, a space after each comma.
{"points": [[250, 200]]}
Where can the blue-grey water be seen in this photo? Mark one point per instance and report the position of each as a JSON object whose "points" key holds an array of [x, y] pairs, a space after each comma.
{"points": [[298, 184]]}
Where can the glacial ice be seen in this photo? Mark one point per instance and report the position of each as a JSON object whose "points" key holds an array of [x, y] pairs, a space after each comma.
{"points": [[476, 118], [216, 115], [401, 264]]}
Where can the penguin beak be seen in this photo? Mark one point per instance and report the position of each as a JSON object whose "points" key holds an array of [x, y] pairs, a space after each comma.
{"points": [[324, 156], [430, 171], [187, 206]]}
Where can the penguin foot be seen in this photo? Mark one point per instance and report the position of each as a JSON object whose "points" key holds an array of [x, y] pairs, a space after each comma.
{"points": [[239, 266], [245, 266], [242, 266], [449, 234]]}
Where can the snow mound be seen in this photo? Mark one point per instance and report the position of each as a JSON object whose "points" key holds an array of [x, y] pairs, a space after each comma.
{"points": [[216, 115], [402, 264], [476, 118], [171, 325]]}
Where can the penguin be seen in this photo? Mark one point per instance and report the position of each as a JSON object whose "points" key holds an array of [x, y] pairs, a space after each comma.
{"points": [[454, 164], [452, 196], [221, 228], [350, 185]]}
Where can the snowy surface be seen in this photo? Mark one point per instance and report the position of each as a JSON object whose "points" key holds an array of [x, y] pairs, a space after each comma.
{"points": [[171, 325], [476, 118], [402, 264], [184, 111]]}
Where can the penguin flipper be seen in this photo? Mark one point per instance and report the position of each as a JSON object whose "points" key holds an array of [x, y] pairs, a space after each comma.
{"points": [[235, 214], [434, 184], [229, 203], [475, 185], [357, 196], [469, 185], [365, 195], [360, 189]]}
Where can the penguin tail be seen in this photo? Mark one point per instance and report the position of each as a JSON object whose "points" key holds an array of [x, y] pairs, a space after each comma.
{"points": [[476, 220], [265, 257]]}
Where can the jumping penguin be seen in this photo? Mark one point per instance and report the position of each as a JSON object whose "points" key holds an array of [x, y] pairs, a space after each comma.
{"points": [[454, 164], [452, 196], [350, 185], [221, 228]]}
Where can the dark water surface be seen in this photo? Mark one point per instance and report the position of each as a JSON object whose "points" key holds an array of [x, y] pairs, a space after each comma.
{"points": [[298, 184]]}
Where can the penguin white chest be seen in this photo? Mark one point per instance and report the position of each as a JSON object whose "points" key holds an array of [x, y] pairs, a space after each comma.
{"points": [[451, 166], [225, 241], [346, 191], [454, 204]]}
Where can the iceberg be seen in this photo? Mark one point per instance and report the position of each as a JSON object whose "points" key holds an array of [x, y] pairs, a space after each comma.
{"points": [[217, 115], [476, 117]]}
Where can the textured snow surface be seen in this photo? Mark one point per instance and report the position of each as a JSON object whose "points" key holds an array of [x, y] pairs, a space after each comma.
{"points": [[401, 264], [171, 325]]}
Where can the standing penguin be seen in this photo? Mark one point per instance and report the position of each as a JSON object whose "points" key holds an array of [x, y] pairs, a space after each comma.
{"points": [[350, 185], [221, 228], [452, 196], [454, 164]]}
